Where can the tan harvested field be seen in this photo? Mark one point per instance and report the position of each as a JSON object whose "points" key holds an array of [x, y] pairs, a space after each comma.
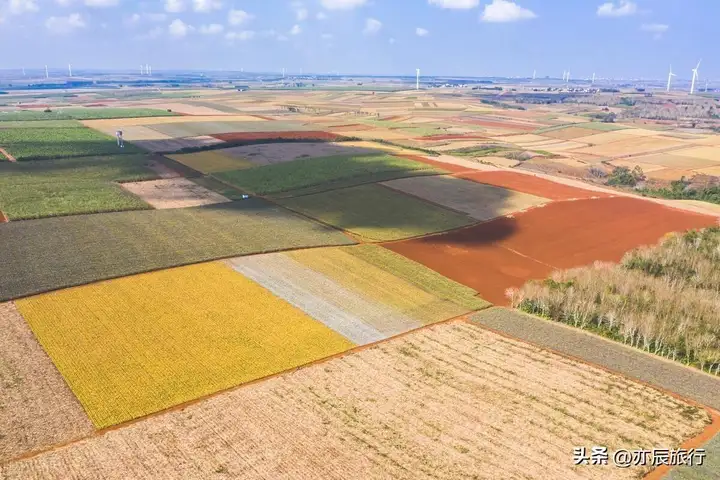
{"points": [[173, 193], [569, 133], [501, 161], [480, 201], [669, 174], [37, 409], [446, 402], [714, 171], [114, 123], [522, 138], [601, 138], [706, 153], [190, 109], [632, 146], [677, 160], [270, 153], [631, 163]]}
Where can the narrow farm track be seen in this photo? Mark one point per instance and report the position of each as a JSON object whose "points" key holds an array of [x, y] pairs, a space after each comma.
{"points": [[9, 157]]}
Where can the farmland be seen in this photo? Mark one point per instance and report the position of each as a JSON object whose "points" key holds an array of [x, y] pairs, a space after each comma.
{"points": [[82, 114], [376, 213], [173, 193], [201, 339], [307, 174], [448, 394], [53, 253], [211, 161], [272, 153], [46, 188]]}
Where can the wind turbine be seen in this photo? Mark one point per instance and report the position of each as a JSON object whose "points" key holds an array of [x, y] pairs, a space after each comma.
{"points": [[69, 70], [568, 77], [23, 69], [141, 69], [534, 72], [593, 79], [670, 75], [694, 77], [706, 85], [564, 75], [417, 79], [46, 73]]}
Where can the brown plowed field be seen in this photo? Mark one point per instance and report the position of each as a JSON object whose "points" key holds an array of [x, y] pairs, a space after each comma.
{"points": [[506, 252], [310, 135], [531, 184]]}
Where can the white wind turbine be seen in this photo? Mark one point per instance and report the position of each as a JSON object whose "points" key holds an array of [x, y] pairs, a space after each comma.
{"points": [[670, 75], [417, 79], [694, 77]]}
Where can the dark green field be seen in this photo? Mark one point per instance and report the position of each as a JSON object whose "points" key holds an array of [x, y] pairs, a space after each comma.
{"points": [[59, 142], [308, 175], [79, 113], [52, 253], [377, 213], [69, 186]]}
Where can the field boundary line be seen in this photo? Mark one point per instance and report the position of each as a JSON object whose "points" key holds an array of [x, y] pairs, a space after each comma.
{"points": [[464, 318]]}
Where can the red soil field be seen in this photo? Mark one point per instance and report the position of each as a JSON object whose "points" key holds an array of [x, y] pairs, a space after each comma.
{"points": [[506, 252], [531, 184], [448, 167], [311, 135], [451, 136]]}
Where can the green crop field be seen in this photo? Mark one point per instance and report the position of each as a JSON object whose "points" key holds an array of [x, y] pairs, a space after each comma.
{"points": [[192, 129], [307, 175], [69, 186], [377, 213], [52, 253], [47, 143], [80, 113], [41, 124]]}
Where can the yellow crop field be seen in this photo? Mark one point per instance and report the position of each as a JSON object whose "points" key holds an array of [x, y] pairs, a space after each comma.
{"points": [[379, 285], [211, 161], [136, 345], [705, 153]]}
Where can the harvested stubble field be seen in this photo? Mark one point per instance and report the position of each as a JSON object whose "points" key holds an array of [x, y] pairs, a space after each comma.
{"points": [[308, 175], [678, 159], [211, 161], [481, 202], [37, 409], [173, 193], [310, 135], [136, 345], [632, 146], [42, 255], [450, 401], [58, 142], [82, 114], [705, 153], [376, 213], [191, 128], [567, 133], [272, 153], [531, 184], [48, 188]]}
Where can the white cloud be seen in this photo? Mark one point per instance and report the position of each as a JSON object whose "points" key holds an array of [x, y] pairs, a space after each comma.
{"points": [[301, 13], [64, 25], [282, 38], [212, 29], [342, 4], [327, 36], [137, 18], [456, 4], [174, 6], [391, 41], [17, 7], [623, 8], [501, 11], [421, 32], [134, 18], [372, 26], [238, 17], [321, 16], [154, 33], [179, 29], [101, 3], [295, 30], [657, 29], [64, 3], [155, 17], [242, 35], [204, 6]]}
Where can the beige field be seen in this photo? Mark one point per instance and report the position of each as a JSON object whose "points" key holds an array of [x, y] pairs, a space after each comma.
{"points": [[561, 147], [446, 402], [190, 109], [173, 193], [501, 161], [706, 153], [522, 138], [646, 167], [123, 122], [569, 133], [364, 144], [480, 201], [601, 138], [641, 132], [270, 153], [632, 146], [670, 174], [458, 144], [37, 409], [675, 159], [714, 171]]}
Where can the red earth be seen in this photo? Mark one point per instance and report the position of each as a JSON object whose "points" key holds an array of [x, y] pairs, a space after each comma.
{"points": [[3, 217], [506, 252], [310, 135], [531, 184]]}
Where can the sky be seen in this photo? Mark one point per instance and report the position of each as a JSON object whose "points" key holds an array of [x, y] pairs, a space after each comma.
{"points": [[618, 38]]}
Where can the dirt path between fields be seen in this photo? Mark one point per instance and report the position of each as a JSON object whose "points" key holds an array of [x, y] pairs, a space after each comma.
{"points": [[7, 155]]}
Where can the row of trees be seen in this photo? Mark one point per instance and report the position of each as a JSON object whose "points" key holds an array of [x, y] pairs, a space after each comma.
{"points": [[663, 299]]}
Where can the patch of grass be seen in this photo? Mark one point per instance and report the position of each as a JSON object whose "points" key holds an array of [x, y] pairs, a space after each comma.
{"points": [[211, 329], [59, 142], [71, 186], [377, 213], [419, 275], [314, 172], [60, 113], [52, 253]]}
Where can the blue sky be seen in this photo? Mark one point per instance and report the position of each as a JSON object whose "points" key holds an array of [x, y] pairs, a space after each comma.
{"points": [[637, 38]]}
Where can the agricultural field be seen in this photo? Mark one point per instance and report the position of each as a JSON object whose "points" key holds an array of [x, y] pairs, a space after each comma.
{"points": [[211, 329], [307, 175], [46, 188], [448, 393], [173, 193], [191, 128], [272, 153], [531, 185], [82, 114], [58, 142], [211, 161], [376, 213], [47, 254], [309, 136]]}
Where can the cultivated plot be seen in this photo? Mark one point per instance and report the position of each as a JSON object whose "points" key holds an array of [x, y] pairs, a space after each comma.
{"points": [[173, 193], [37, 409], [631, 146], [42, 255], [568, 133], [110, 125], [176, 144], [211, 161], [482, 202], [192, 128], [132, 346], [531, 185], [376, 213], [310, 135], [271, 153], [445, 402]]}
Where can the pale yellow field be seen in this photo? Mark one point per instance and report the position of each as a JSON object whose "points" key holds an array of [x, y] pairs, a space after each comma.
{"points": [[569, 133], [522, 138], [190, 109], [134, 132], [715, 171], [136, 345], [122, 122], [675, 160], [364, 144], [601, 138], [379, 134], [640, 132], [173, 193], [632, 146], [706, 153], [670, 174], [646, 167]]}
